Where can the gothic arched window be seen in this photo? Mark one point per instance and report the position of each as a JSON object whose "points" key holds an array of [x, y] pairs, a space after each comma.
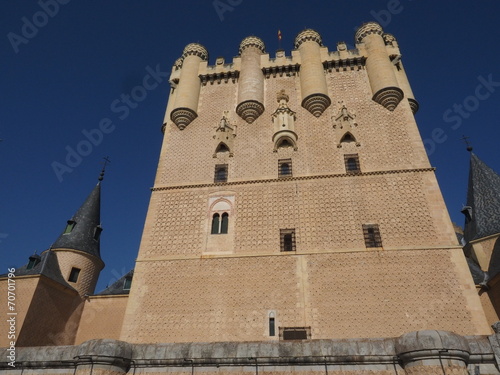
{"points": [[224, 223], [215, 224]]}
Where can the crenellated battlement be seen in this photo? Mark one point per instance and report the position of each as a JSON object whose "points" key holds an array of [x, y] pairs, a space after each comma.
{"points": [[376, 52]]}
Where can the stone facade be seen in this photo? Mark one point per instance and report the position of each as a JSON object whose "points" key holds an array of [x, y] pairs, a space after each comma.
{"points": [[224, 286]]}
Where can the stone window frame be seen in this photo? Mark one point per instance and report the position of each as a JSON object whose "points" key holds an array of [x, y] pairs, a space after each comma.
{"points": [[213, 212]]}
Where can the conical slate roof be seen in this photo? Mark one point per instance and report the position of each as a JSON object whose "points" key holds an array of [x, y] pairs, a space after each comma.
{"points": [[483, 198], [85, 234]]}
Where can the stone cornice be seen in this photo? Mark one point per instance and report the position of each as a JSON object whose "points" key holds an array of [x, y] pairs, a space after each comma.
{"points": [[298, 178]]}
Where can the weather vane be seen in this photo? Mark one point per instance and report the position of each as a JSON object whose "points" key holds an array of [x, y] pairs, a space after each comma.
{"points": [[466, 140], [106, 162]]}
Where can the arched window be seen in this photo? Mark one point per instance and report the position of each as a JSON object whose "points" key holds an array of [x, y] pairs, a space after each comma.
{"points": [[215, 224], [224, 223], [348, 137], [222, 147], [220, 224], [284, 143]]}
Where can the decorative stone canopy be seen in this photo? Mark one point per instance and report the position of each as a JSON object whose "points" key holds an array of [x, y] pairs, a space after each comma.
{"points": [[252, 41], [367, 29], [195, 49], [307, 35]]}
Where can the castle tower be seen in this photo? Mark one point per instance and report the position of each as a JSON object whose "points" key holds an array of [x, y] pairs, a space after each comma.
{"points": [[54, 284], [312, 75], [383, 82], [188, 92], [251, 80], [297, 226], [78, 248]]}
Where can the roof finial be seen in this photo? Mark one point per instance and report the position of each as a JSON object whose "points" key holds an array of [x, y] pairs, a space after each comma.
{"points": [[466, 140], [106, 161]]}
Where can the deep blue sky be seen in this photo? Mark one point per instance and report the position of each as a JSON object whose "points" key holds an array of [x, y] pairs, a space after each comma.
{"points": [[64, 79]]}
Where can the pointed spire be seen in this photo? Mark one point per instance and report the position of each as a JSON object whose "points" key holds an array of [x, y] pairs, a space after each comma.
{"points": [[83, 230], [482, 211]]}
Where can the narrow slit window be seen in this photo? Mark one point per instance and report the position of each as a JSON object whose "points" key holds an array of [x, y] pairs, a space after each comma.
{"points": [[73, 276], [272, 327], [372, 236], [352, 163]]}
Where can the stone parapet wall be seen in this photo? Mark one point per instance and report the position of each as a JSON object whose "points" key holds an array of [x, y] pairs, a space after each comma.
{"points": [[423, 352]]}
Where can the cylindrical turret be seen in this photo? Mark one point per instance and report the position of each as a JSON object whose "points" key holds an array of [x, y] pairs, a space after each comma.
{"points": [[251, 80], [188, 90], [404, 84], [383, 81], [312, 74]]}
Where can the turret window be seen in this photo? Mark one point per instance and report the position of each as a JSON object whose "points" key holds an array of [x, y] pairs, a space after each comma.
{"points": [[127, 283], [34, 260], [69, 227], [73, 276], [97, 232]]}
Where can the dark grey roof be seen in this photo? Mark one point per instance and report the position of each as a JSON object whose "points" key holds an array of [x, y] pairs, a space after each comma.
{"points": [[117, 286], [47, 266], [483, 198], [87, 219]]}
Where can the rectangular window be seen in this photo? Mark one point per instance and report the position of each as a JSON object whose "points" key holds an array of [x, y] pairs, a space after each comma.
{"points": [[73, 276], [69, 227], [295, 333], [287, 239], [220, 173], [284, 168], [352, 163], [127, 283], [372, 235]]}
